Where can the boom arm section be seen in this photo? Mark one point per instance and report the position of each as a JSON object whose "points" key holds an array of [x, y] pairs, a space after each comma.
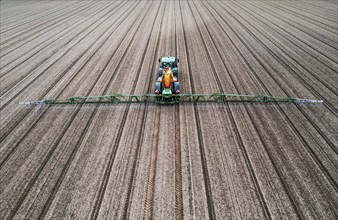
{"points": [[176, 98]]}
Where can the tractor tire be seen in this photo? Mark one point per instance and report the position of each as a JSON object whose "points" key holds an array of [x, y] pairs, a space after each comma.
{"points": [[158, 87], [176, 87]]}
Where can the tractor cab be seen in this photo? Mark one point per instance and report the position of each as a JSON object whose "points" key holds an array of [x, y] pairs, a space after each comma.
{"points": [[168, 62]]}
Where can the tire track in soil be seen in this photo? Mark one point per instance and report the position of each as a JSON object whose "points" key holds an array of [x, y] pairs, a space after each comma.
{"points": [[149, 193], [88, 124], [307, 85], [288, 119], [3, 136], [148, 205], [329, 142], [249, 165], [164, 199], [33, 180], [185, 195], [104, 183], [126, 212], [206, 178], [178, 168], [317, 161], [178, 160]]}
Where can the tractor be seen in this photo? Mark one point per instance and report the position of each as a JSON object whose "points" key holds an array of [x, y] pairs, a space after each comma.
{"points": [[167, 82]]}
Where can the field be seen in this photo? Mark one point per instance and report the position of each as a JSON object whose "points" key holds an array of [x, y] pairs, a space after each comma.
{"points": [[191, 161]]}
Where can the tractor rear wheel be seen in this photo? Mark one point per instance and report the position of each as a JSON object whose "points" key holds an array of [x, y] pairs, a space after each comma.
{"points": [[158, 87]]}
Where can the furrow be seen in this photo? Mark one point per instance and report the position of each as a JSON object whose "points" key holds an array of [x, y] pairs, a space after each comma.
{"points": [[178, 168], [113, 77], [249, 166], [28, 54], [305, 115], [143, 118], [331, 6], [206, 176], [287, 64], [324, 14], [30, 76], [150, 183], [329, 44], [104, 182], [17, 14], [178, 160], [309, 18], [149, 197], [38, 15], [301, 138], [34, 41], [59, 92], [247, 111], [21, 34], [329, 177], [52, 150], [270, 157], [4, 135], [301, 46]]}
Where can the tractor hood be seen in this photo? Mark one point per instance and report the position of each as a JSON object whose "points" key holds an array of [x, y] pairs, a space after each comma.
{"points": [[166, 93]]}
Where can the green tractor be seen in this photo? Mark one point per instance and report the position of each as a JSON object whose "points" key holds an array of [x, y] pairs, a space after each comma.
{"points": [[167, 82]]}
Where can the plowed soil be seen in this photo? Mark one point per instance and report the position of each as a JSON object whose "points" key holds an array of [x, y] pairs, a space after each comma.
{"points": [[191, 161]]}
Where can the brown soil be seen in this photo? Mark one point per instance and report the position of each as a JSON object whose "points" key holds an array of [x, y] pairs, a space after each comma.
{"points": [[191, 161]]}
